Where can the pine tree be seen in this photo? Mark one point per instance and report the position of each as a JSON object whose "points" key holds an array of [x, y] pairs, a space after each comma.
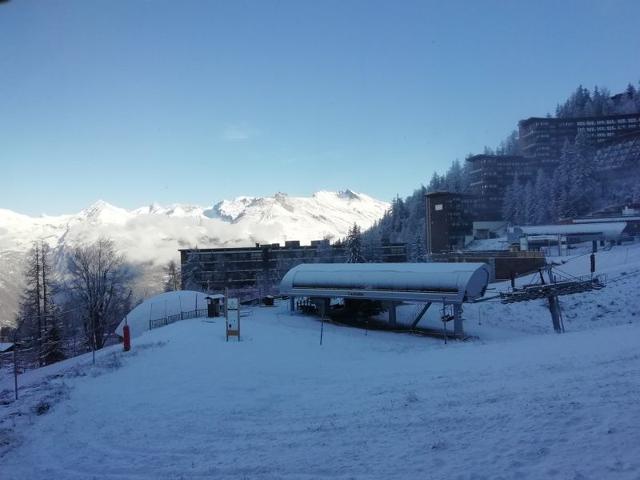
{"points": [[419, 251], [354, 245], [53, 344], [191, 271], [52, 349], [583, 184], [562, 204], [372, 245], [30, 317], [541, 198], [528, 208], [38, 311], [171, 277], [454, 177], [436, 183], [510, 202], [510, 145], [635, 193]]}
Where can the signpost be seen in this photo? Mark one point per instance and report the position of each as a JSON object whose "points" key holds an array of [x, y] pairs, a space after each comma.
{"points": [[232, 311]]}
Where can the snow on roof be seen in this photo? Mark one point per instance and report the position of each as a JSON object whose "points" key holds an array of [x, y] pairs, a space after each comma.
{"points": [[5, 346], [604, 228], [624, 218], [160, 306], [215, 296], [399, 281]]}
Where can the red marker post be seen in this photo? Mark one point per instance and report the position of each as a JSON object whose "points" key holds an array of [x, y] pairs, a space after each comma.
{"points": [[126, 333]]}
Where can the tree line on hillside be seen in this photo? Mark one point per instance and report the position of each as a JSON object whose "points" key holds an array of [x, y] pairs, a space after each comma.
{"points": [[570, 190], [73, 300], [585, 103], [405, 221]]}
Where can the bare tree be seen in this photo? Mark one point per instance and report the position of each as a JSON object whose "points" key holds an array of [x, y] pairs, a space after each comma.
{"points": [[99, 280]]}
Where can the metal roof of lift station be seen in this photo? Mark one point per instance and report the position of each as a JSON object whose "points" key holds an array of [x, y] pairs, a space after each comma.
{"points": [[451, 283]]}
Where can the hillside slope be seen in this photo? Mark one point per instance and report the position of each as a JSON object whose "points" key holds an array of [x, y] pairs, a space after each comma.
{"points": [[186, 404]]}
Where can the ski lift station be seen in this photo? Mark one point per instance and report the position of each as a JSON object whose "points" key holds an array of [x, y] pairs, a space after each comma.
{"points": [[570, 233], [393, 283]]}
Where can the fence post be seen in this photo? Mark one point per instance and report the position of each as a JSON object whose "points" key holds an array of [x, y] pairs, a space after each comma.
{"points": [[15, 368]]}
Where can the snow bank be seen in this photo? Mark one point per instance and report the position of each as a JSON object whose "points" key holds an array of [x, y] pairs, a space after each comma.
{"points": [[160, 306]]}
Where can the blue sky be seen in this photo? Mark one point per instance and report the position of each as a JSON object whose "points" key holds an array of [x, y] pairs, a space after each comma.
{"points": [[136, 101]]}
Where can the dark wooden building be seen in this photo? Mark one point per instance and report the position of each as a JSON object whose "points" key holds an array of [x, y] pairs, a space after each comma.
{"points": [[448, 221]]}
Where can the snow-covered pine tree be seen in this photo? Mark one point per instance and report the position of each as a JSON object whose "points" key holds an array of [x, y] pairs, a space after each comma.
{"points": [[562, 183], [510, 201], [583, 185], [372, 245], [436, 183], [635, 193], [541, 199], [354, 245], [171, 276], [418, 250], [510, 145], [528, 207], [191, 271], [454, 177]]}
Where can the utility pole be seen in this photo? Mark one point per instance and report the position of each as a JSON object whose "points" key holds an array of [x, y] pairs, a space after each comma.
{"points": [[15, 367], [93, 338]]}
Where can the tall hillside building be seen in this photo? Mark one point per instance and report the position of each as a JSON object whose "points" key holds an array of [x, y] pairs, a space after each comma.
{"points": [[490, 177], [541, 140], [448, 221], [544, 138]]}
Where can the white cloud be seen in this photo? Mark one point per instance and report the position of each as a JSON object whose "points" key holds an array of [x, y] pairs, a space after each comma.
{"points": [[238, 133]]}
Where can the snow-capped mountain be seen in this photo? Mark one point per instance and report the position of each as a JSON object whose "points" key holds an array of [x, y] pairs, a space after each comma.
{"points": [[152, 235]]}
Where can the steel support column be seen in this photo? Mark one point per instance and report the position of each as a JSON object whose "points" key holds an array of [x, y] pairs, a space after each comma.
{"points": [[392, 313], [420, 315], [457, 320]]}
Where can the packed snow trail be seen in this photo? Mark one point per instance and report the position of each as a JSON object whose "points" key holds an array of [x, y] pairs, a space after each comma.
{"points": [[186, 404]]}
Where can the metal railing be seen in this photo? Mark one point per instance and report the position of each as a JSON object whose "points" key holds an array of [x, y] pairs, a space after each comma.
{"points": [[161, 322]]}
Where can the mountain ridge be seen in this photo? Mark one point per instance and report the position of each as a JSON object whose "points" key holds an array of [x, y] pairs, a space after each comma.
{"points": [[151, 236]]}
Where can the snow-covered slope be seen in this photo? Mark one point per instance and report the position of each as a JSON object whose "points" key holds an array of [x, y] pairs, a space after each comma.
{"points": [[186, 404], [152, 235]]}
